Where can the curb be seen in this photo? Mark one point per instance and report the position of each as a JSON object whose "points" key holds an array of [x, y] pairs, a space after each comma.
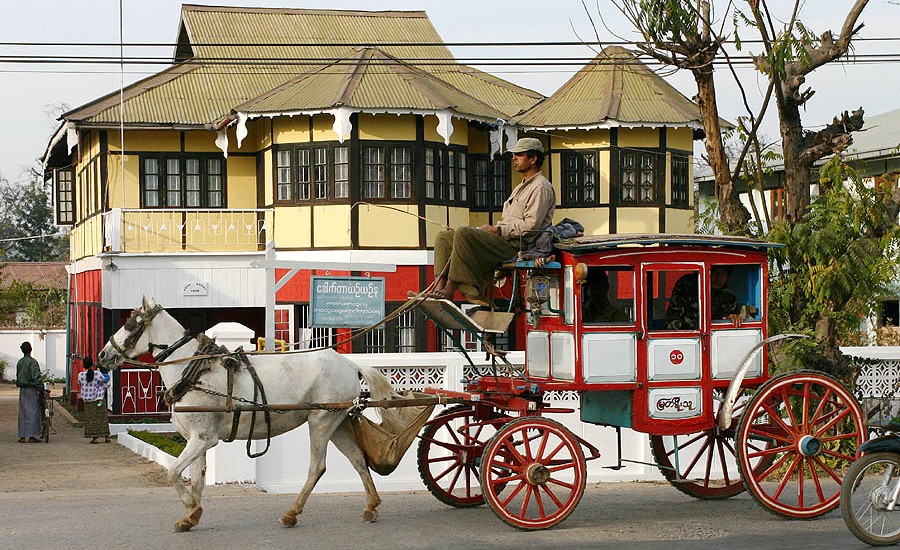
{"points": [[146, 450], [67, 416]]}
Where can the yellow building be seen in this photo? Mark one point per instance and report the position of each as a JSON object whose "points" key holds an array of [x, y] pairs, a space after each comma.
{"points": [[334, 152], [620, 141]]}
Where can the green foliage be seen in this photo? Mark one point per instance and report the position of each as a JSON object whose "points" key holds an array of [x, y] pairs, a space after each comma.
{"points": [[43, 307], [4, 364], [662, 21], [836, 263], [706, 218], [172, 443], [30, 214]]}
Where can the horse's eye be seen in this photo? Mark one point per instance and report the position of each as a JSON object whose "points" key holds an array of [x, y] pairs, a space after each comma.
{"points": [[130, 324]]}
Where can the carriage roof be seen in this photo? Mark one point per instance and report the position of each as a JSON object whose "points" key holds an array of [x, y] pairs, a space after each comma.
{"points": [[593, 243]]}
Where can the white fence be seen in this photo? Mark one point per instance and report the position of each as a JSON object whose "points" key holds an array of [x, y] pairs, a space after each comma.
{"points": [[283, 468], [878, 382], [48, 347]]}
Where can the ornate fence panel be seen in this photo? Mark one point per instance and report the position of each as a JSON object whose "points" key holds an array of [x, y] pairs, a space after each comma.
{"points": [[878, 382]]}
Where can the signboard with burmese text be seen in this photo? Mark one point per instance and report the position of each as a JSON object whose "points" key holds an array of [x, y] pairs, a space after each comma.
{"points": [[346, 302]]}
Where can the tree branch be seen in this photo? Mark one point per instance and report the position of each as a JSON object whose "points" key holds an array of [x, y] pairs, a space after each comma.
{"points": [[833, 138], [827, 51]]}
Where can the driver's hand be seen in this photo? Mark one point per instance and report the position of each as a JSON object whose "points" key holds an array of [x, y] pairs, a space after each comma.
{"points": [[735, 319]]}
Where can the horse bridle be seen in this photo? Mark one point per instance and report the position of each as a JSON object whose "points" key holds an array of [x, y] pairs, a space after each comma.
{"points": [[139, 321]]}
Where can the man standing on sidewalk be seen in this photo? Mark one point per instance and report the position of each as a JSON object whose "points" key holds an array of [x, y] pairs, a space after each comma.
{"points": [[28, 380]]}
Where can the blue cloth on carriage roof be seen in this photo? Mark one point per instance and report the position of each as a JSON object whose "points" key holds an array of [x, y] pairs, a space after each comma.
{"points": [[542, 246]]}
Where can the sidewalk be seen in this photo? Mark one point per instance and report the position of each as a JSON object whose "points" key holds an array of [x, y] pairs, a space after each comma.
{"points": [[68, 462]]}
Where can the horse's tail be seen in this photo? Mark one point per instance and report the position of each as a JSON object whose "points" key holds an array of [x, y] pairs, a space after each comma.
{"points": [[379, 386]]}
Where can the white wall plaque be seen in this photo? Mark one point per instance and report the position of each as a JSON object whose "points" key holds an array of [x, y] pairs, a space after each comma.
{"points": [[195, 289]]}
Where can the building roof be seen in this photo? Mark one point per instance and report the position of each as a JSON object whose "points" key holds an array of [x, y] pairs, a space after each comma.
{"points": [[38, 274], [235, 55], [615, 89], [879, 137], [369, 80]]}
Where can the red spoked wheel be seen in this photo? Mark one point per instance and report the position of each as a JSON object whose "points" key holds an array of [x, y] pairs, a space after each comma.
{"points": [[449, 455], [533, 473], [806, 426], [703, 465]]}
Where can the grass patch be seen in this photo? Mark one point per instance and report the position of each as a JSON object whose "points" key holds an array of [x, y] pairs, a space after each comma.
{"points": [[172, 443]]}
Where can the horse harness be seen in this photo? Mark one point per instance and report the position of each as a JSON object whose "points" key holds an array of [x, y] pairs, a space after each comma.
{"points": [[208, 351], [136, 324]]}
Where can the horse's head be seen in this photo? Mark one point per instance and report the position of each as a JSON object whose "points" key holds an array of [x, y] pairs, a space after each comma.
{"points": [[146, 325]]}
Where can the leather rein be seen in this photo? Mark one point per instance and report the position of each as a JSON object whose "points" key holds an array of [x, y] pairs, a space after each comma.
{"points": [[136, 324]]}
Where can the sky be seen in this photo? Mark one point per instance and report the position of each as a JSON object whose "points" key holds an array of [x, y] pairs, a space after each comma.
{"points": [[33, 93]]}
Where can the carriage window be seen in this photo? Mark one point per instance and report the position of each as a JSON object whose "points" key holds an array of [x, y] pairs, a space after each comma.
{"points": [[608, 296], [673, 298], [735, 289]]}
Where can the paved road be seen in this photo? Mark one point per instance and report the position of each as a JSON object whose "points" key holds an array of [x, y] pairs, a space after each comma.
{"points": [[70, 495]]}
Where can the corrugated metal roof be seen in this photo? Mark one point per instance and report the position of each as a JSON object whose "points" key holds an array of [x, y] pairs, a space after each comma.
{"points": [[305, 33], [613, 89], [372, 80], [226, 72]]}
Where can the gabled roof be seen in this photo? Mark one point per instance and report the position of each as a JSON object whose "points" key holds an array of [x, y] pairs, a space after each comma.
{"points": [[369, 80], [228, 56], [615, 89], [39, 274], [292, 34]]}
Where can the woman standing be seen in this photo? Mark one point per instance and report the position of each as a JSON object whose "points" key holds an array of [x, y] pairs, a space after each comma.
{"points": [[93, 389]]}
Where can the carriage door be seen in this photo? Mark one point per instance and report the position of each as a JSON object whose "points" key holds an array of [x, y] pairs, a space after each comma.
{"points": [[671, 347]]}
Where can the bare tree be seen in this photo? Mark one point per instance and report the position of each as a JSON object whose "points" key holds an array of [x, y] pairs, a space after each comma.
{"points": [[680, 35], [791, 53]]}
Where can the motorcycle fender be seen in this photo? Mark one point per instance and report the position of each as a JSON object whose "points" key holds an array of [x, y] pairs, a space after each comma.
{"points": [[885, 443]]}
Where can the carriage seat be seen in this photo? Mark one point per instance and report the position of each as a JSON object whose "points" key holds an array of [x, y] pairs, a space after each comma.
{"points": [[540, 263]]}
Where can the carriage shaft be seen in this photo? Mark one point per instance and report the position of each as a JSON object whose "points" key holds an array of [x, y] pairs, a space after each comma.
{"points": [[364, 403]]}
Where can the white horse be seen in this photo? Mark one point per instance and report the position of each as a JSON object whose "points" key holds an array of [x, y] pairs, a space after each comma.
{"points": [[322, 376]]}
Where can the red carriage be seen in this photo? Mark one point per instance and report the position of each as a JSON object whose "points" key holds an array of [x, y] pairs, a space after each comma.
{"points": [[699, 385]]}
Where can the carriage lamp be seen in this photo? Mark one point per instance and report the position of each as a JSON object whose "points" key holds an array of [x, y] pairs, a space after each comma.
{"points": [[580, 272]]}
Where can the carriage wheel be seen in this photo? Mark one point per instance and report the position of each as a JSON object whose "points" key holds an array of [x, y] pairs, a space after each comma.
{"points": [[450, 449], [706, 463], [809, 426], [533, 473]]}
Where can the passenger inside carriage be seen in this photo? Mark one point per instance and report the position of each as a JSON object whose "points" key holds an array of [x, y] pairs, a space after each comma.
{"points": [[596, 306], [682, 312]]}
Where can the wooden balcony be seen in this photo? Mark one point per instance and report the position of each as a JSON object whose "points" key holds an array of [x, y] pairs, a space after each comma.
{"points": [[185, 230]]}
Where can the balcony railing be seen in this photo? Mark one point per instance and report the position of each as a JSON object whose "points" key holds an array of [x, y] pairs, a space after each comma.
{"points": [[183, 230]]}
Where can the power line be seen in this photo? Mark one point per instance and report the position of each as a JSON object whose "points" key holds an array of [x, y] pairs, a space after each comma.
{"points": [[381, 44], [417, 61], [33, 237]]}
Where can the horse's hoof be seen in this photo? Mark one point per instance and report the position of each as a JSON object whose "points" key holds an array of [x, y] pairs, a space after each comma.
{"points": [[288, 520], [182, 526], [370, 516], [194, 517]]}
